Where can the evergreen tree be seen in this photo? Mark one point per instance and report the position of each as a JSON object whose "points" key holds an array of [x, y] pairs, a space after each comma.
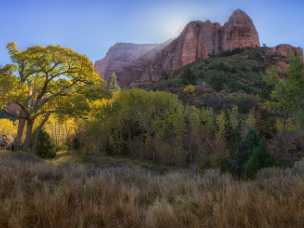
{"points": [[251, 156], [45, 148], [260, 158]]}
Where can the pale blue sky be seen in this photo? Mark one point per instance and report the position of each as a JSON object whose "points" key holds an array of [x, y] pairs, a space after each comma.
{"points": [[92, 26]]}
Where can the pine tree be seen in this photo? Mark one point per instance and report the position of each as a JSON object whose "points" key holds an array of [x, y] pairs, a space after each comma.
{"points": [[251, 156], [260, 158]]}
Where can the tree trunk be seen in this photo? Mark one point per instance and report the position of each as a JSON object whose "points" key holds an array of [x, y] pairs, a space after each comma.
{"points": [[28, 135], [38, 130], [18, 139]]}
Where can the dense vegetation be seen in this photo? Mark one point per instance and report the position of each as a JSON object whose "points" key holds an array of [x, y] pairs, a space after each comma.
{"points": [[157, 126]]}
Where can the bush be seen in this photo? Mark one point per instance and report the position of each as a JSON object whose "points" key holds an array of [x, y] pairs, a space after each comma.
{"points": [[44, 147]]}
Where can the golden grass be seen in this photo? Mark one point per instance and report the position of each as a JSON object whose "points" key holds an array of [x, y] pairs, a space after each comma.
{"points": [[39, 194]]}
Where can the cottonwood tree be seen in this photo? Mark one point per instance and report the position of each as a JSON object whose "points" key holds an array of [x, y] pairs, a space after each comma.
{"points": [[42, 81]]}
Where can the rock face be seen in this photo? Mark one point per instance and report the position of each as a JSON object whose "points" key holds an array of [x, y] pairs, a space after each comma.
{"points": [[279, 56], [139, 64], [285, 50], [239, 32], [121, 55]]}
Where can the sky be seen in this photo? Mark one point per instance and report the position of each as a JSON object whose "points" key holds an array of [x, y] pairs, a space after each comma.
{"points": [[91, 27]]}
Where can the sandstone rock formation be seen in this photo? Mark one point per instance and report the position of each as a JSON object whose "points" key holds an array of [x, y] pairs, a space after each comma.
{"points": [[239, 32], [139, 64], [279, 56], [121, 55]]}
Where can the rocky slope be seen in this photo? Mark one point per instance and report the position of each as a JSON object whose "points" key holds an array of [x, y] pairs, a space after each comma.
{"points": [[279, 56]]}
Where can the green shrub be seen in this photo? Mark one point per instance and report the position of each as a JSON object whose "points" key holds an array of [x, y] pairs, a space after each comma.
{"points": [[260, 158], [251, 156], [44, 147]]}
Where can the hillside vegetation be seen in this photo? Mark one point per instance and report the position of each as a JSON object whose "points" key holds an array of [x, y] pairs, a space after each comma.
{"points": [[232, 78]]}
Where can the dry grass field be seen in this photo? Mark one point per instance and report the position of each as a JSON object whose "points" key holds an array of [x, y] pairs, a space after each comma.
{"points": [[34, 193]]}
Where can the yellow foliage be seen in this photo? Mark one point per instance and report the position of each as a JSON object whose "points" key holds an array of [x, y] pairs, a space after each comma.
{"points": [[189, 89], [61, 129], [285, 125], [7, 127], [95, 105]]}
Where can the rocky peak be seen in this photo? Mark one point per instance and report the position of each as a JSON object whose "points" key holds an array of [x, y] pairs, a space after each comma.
{"points": [[239, 32], [239, 17]]}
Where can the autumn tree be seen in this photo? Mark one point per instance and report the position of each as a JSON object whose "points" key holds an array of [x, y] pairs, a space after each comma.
{"points": [[42, 81]]}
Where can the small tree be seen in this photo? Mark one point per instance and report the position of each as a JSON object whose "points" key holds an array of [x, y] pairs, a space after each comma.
{"points": [[232, 130], [45, 148], [251, 156], [260, 158], [112, 84]]}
